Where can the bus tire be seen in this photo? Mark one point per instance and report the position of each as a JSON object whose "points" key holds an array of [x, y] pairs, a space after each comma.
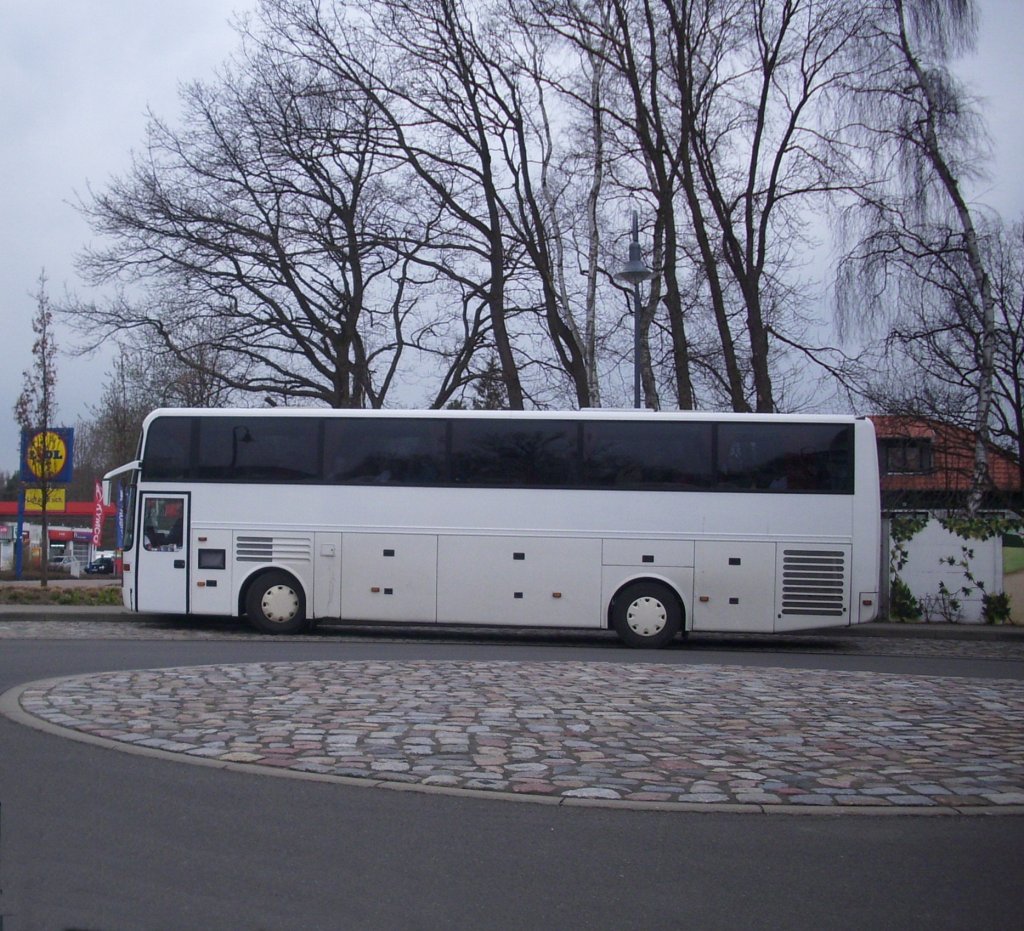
{"points": [[275, 604], [646, 614]]}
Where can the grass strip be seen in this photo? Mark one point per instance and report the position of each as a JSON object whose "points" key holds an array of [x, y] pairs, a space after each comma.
{"points": [[60, 595]]}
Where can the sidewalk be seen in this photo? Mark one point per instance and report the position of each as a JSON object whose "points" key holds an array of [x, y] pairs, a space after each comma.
{"points": [[920, 630], [923, 630]]}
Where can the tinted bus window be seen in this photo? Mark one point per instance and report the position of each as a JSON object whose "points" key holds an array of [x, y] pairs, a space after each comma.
{"points": [[387, 451], [511, 452], [785, 457], [258, 449], [647, 455], [168, 449]]}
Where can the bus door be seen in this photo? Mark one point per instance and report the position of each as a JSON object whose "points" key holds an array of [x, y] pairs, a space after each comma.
{"points": [[161, 577]]}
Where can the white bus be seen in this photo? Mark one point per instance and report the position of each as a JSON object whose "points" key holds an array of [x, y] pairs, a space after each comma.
{"points": [[646, 523]]}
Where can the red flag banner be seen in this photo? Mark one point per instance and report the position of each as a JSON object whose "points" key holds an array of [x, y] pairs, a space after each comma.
{"points": [[97, 515]]}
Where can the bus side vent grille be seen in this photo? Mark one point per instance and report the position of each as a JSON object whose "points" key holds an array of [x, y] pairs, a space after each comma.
{"points": [[814, 582], [272, 549]]}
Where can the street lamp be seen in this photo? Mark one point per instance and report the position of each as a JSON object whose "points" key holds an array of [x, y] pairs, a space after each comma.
{"points": [[633, 272]]}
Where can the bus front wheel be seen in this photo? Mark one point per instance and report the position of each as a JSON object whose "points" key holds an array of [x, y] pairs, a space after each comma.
{"points": [[275, 604], [646, 614]]}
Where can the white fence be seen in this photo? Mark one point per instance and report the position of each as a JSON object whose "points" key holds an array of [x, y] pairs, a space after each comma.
{"points": [[941, 565]]}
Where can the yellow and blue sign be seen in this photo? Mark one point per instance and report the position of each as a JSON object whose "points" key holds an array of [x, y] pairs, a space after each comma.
{"points": [[47, 455], [56, 500]]}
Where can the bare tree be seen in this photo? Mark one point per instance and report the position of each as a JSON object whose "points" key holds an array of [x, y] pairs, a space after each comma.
{"points": [[376, 183], [625, 39], [145, 374], [768, 150], [934, 348], [918, 226], [461, 97], [109, 437], [594, 61], [572, 82], [266, 235], [535, 205], [727, 127], [36, 406], [1006, 263], [415, 66], [10, 486]]}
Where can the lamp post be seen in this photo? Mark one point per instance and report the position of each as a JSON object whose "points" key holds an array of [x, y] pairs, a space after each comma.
{"points": [[633, 272]]}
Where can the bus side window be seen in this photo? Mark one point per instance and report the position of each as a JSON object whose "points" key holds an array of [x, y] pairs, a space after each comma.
{"points": [[162, 523], [150, 534]]}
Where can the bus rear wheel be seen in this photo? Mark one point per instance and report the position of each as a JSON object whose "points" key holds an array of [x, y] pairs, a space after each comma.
{"points": [[275, 604], [646, 614]]}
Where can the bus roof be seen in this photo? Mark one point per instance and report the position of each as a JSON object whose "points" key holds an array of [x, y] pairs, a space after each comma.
{"points": [[604, 413]]}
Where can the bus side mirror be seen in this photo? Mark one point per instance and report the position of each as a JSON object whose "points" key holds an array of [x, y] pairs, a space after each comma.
{"points": [[108, 479]]}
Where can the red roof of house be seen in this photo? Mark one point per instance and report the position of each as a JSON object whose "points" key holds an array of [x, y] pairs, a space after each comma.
{"points": [[952, 456]]}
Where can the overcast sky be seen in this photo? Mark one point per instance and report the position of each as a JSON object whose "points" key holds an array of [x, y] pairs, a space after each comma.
{"points": [[77, 78]]}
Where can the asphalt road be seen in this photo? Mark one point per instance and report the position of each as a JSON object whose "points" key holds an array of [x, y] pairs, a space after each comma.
{"points": [[92, 838]]}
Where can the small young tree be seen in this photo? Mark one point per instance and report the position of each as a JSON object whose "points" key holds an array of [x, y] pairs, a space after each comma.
{"points": [[36, 407]]}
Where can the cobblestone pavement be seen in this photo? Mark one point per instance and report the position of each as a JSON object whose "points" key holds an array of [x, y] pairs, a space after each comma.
{"points": [[637, 734]]}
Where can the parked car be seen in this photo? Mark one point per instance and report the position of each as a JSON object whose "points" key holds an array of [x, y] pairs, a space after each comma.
{"points": [[102, 566]]}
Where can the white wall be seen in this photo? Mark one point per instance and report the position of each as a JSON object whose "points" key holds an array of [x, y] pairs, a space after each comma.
{"points": [[926, 568]]}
